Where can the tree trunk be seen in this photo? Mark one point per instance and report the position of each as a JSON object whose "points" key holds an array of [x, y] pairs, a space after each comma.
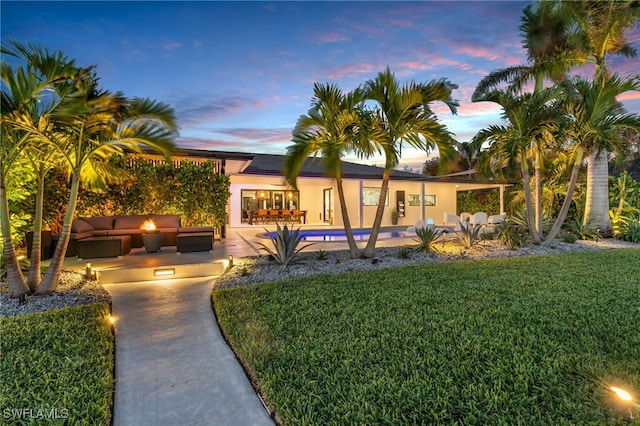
{"points": [[538, 196], [370, 249], [526, 187], [354, 251], [567, 199], [596, 213], [15, 279], [34, 277], [50, 280]]}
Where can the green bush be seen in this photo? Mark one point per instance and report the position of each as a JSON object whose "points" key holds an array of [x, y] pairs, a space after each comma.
{"points": [[404, 252], [321, 255], [627, 228], [285, 246], [511, 235], [569, 237], [529, 340], [59, 360]]}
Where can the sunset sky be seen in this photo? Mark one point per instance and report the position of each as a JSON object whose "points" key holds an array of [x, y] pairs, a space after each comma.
{"points": [[239, 74]]}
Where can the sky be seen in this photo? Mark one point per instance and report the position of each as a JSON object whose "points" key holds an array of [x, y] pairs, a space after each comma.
{"points": [[239, 74]]}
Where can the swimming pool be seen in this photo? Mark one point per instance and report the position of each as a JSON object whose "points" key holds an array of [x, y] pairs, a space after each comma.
{"points": [[339, 234]]}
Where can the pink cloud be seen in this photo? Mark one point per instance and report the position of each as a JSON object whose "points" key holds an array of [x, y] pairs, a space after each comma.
{"points": [[629, 96], [351, 70], [331, 38]]}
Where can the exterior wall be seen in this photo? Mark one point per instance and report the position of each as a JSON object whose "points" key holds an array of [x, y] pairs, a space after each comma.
{"points": [[311, 199]]}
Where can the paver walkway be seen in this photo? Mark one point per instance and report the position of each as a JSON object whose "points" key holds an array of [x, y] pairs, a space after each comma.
{"points": [[173, 366]]}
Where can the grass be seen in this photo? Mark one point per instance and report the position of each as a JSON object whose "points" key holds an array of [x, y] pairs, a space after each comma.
{"points": [[57, 367], [531, 340]]}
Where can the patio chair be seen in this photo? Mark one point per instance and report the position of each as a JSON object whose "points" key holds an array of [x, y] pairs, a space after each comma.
{"points": [[465, 217], [479, 219], [274, 215], [287, 216], [496, 219], [296, 216], [262, 216], [451, 219]]}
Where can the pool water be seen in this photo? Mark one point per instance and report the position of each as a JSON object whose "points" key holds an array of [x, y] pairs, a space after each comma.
{"points": [[339, 234]]}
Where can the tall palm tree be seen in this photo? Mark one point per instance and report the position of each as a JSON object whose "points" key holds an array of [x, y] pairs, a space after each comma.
{"points": [[29, 94], [600, 28], [104, 125], [596, 122], [336, 124], [545, 35], [528, 118], [405, 116]]}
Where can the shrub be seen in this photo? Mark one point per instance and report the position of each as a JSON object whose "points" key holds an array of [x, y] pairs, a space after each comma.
{"points": [[627, 228], [321, 255], [584, 231], [426, 239], [569, 237], [404, 252], [285, 246], [511, 235]]}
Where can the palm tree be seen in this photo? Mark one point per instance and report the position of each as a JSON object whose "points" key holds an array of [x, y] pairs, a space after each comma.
{"points": [[529, 118], [336, 124], [405, 116], [105, 125], [596, 122], [601, 28], [545, 35], [29, 94]]}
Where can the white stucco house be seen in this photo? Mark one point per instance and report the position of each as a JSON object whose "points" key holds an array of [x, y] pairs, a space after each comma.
{"points": [[258, 183]]}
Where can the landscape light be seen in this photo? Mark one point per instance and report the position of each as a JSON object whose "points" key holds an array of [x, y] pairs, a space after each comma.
{"points": [[163, 272], [230, 265], [112, 319], [622, 394]]}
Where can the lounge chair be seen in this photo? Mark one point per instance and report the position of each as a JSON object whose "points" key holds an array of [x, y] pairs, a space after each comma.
{"points": [[478, 219], [496, 218], [451, 219], [411, 230], [465, 217]]}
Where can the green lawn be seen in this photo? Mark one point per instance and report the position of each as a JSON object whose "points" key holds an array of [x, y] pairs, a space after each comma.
{"points": [[56, 367], [530, 340]]}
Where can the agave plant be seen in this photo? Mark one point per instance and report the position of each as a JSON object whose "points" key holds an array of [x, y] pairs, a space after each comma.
{"points": [[468, 235], [584, 231], [285, 246], [426, 239]]}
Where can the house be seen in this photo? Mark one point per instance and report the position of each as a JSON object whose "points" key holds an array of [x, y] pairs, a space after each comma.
{"points": [[258, 183]]}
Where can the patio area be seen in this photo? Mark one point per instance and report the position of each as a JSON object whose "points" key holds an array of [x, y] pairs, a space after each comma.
{"points": [[240, 242]]}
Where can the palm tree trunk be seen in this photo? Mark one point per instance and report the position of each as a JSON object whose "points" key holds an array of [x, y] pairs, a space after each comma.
{"points": [[50, 280], [538, 196], [370, 249], [34, 277], [15, 279], [596, 212], [567, 199], [354, 251], [526, 187]]}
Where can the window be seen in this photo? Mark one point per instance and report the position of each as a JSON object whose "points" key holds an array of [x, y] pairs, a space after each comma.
{"points": [[370, 196], [414, 200], [265, 199], [429, 200]]}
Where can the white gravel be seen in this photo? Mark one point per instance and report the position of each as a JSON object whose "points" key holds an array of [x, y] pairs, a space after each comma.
{"points": [[254, 270], [73, 290]]}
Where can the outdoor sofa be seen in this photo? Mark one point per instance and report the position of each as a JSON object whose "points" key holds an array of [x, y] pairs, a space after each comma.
{"points": [[112, 226]]}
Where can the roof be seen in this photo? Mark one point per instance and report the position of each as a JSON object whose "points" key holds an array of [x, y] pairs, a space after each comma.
{"points": [[273, 165]]}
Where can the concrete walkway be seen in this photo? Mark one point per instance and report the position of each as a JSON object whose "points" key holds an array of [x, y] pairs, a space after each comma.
{"points": [[172, 364]]}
